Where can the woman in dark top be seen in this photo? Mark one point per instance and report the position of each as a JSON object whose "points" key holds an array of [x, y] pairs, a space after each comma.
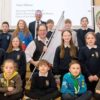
{"points": [[64, 54], [89, 57]]}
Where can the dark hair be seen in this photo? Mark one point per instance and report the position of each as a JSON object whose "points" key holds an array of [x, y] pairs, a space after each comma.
{"points": [[85, 18], [11, 61], [40, 26], [5, 22], [74, 62], [44, 62]]}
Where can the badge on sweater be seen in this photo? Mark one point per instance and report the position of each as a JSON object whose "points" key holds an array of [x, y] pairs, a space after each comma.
{"points": [[47, 82], [8, 37], [97, 55], [18, 57]]}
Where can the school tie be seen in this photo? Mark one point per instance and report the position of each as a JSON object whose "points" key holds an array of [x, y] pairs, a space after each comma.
{"points": [[37, 28]]}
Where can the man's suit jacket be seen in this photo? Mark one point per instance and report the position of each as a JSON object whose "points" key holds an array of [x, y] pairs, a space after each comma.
{"points": [[32, 27]]}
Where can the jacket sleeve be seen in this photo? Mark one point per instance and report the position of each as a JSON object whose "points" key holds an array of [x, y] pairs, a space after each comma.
{"points": [[64, 87], [2, 89], [23, 65], [56, 61], [82, 60]]}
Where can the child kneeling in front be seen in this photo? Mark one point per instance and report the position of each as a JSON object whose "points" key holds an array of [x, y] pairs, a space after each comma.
{"points": [[43, 86], [10, 82], [73, 85]]}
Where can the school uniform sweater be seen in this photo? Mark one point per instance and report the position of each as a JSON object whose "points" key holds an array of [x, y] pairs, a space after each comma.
{"points": [[90, 60], [62, 64], [19, 57], [42, 85], [81, 36], [68, 85], [4, 40]]}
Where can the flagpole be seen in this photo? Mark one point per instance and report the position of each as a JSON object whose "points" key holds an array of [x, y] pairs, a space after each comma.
{"points": [[47, 45]]}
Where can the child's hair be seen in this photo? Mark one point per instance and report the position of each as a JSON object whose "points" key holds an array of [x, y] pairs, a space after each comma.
{"points": [[50, 21], [9, 61], [42, 25], [72, 48], [5, 22], [10, 48], [68, 21], [74, 62], [44, 62], [26, 30], [92, 33], [84, 18]]}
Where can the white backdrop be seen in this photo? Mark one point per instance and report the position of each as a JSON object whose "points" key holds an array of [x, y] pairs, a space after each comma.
{"points": [[74, 9]]}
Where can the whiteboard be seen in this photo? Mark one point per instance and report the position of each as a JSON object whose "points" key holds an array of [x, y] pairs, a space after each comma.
{"points": [[51, 9]]}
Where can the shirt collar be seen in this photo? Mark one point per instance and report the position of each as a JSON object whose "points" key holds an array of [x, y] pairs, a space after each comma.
{"points": [[84, 29], [94, 46], [66, 45], [45, 75], [16, 49], [45, 41]]}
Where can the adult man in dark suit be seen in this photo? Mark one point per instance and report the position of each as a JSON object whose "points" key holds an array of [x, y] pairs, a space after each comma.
{"points": [[33, 25]]}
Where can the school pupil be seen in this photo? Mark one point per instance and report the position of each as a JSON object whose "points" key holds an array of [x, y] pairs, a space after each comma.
{"points": [[50, 26], [82, 31], [5, 36], [97, 91], [89, 57], [43, 85], [23, 33], [15, 53], [68, 26], [66, 52], [73, 85], [10, 82]]}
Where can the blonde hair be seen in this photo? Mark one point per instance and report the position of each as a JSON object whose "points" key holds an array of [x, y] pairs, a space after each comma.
{"points": [[73, 62], [73, 50], [9, 61], [88, 33]]}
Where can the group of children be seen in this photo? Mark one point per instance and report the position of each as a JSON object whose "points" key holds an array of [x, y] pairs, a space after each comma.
{"points": [[79, 67]]}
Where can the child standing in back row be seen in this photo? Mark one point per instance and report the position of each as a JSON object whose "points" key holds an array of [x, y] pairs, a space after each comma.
{"points": [[5, 36]]}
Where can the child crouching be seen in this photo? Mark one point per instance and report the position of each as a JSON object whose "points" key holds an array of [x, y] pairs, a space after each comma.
{"points": [[73, 85], [43, 85], [10, 82]]}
